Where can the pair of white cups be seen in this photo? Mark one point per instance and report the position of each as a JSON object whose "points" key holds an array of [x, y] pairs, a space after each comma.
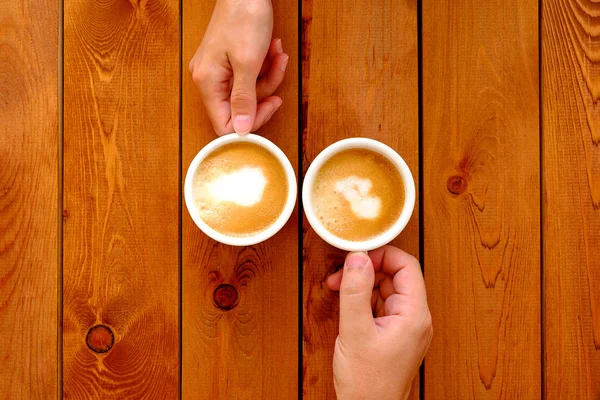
{"points": [[351, 143]]}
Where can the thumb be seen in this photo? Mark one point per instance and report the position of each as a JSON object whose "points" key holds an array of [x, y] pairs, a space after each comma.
{"points": [[243, 100], [356, 315]]}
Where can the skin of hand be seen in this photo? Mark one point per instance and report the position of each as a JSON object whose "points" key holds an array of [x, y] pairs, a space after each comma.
{"points": [[385, 325], [238, 66]]}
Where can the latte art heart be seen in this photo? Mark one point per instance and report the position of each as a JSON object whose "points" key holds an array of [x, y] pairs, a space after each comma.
{"points": [[356, 191]]}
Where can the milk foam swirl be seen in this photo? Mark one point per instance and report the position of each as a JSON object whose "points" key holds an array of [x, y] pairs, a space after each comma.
{"points": [[356, 191], [243, 187]]}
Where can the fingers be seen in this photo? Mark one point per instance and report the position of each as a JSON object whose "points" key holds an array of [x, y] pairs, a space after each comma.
{"points": [[245, 114], [334, 280], [214, 89], [379, 309], [356, 317], [387, 261], [385, 284], [273, 70], [233, 97], [374, 296], [395, 305], [275, 48], [243, 99], [407, 276], [265, 68], [378, 298], [219, 113], [265, 111], [267, 85]]}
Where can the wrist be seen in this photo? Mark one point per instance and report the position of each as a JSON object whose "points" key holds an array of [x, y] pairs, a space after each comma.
{"points": [[256, 5]]}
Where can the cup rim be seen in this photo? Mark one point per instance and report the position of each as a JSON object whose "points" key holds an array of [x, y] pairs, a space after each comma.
{"points": [[290, 202], [409, 194]]}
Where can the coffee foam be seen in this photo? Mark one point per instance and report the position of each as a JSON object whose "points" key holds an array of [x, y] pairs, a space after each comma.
{"points": [[240, 189], [357, 194], [243, 187], [356, 191]]}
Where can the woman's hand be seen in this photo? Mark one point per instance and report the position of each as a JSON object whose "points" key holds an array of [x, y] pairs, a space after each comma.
{"points": [[238, 66], [385, 325]]}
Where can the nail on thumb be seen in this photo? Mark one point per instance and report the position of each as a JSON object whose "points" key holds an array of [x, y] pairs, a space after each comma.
{"points": [[356, 260]]}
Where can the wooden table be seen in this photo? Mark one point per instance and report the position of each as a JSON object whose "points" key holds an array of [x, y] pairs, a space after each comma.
{"points": [[107, 289]]}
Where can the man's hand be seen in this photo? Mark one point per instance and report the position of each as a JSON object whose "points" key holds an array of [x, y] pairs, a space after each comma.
{"points": [[238, 66], [385, 325]]}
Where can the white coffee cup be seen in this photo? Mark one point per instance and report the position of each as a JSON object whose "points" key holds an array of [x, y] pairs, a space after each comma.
{"points": [[409, 194], [289, 203]]}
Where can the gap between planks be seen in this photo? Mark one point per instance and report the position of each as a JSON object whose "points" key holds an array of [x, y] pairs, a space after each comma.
{"points": [[60, 144]]}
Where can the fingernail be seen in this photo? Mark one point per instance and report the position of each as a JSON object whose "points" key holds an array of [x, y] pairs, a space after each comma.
{"points": [[356, 260], [285, 63], [278, 46], [242, 124]]}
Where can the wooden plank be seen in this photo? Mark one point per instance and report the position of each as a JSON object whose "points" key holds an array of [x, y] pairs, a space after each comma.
{"points": [[482, 198], [250, 351], [571, 160], [360, 79], [28, 199], [121, 199]]}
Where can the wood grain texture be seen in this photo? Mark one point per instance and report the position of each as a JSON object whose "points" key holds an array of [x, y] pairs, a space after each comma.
{"points": [[121, 199], [571, 160], [250, 350], [482, 198], [28, 199], [360, 78]]}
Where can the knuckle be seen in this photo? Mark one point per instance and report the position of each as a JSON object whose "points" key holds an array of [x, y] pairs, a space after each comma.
{"points": [[348, 287], [427, 326], [352, 286], [413, 260], [247, 59], [240, 95], [200, 72], [199, 76], [422, 326]]}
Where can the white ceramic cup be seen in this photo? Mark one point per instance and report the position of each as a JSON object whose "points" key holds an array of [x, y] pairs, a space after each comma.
{"points": [[409, 194], [289, 203]]}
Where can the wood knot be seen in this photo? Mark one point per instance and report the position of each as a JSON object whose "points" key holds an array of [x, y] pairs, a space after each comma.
{"points": [[100, 338], [225, 296], [66, 215], [457, 184]]}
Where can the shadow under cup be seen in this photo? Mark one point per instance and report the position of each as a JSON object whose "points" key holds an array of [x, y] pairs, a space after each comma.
{"points": [[387, 235]]}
